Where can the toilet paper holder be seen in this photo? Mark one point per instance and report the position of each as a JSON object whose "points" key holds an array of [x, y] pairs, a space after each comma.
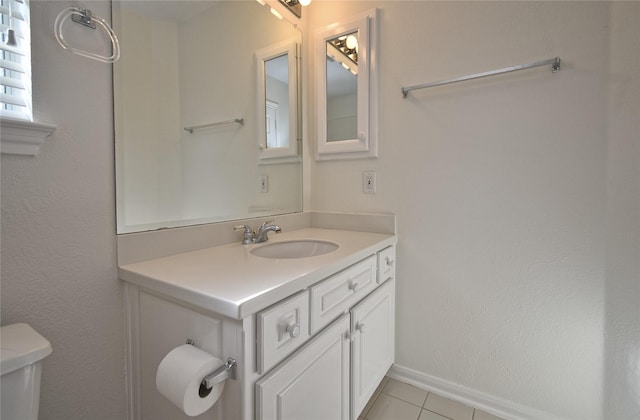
{"points": [[224, 372]]}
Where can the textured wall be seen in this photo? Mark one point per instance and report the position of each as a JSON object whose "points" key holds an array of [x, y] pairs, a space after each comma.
{"points": [[516, 197], [58, 232]]}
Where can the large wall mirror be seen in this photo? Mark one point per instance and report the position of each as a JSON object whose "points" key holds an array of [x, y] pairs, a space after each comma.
{"points": [[346, 89], [200, 138]]}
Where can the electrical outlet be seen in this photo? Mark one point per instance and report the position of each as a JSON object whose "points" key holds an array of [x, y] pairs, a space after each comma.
{"points": [[263, 183], [369, 182]]}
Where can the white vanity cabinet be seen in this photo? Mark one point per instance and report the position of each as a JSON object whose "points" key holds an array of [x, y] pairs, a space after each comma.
{"points": [[335, 374], [312, 337]]}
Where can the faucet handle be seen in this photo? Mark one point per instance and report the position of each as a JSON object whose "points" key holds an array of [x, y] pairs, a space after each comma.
{"points": [[265, 223], [248, 236], [246, 228]]}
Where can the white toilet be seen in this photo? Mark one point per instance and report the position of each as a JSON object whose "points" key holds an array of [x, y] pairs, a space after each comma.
{"points": [[21, 351]]}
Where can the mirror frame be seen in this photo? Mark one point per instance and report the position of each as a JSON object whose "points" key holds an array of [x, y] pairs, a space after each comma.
{"points": [[279, 154], [366, 145]]}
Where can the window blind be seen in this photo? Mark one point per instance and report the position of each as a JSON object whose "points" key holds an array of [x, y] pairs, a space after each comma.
{"points": [[15, 61]]}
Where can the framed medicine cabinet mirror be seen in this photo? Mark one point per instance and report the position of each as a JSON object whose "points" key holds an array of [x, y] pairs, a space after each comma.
{"points": [[347, 89], [277, 103]]}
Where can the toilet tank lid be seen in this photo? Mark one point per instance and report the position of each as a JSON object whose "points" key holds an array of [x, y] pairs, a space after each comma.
{"points": [[21, 345]]}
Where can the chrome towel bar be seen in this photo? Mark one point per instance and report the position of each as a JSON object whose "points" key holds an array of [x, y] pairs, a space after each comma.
{"points": [[555, 67], [215, 124]]}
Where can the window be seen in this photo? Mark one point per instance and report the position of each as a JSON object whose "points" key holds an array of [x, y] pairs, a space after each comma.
{"points": [[15, 61], [18, 133]]}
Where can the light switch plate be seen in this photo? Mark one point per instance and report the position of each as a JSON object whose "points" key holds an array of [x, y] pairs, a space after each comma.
{"points": [[263, 183]]}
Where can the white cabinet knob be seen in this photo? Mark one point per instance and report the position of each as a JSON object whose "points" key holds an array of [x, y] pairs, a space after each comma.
{"points": [[293, 330], [389, 261], [351, 335], [353, 286]]}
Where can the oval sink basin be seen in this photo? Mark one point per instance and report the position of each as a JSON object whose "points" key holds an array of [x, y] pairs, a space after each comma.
{"points": [[294, 249]]}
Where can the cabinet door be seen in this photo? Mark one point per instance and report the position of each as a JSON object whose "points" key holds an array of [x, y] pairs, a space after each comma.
{"points": [[311, 384], [372, 350]]}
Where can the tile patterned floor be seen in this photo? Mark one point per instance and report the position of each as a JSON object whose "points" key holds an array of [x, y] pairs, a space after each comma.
{"points": [[395, 400]]}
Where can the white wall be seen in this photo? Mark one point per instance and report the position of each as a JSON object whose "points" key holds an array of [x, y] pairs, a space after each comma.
{"points": [[58, 232], [516, 196], [342, 117], [223, 162], [148, 117]]}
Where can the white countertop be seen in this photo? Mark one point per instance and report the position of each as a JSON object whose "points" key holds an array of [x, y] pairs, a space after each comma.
{"points": [[233, 282]]}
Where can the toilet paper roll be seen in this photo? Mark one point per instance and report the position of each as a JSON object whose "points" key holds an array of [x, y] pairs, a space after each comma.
{"points": [[180, 374]]}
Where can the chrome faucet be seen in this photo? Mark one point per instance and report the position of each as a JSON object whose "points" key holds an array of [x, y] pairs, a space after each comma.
{"points": [[252, 237], [264, 230]]}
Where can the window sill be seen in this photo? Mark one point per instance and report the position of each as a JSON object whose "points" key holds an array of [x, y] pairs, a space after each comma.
{"points": [[23, 137]]}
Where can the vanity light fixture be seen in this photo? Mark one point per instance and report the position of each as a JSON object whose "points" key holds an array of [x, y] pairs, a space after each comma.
{"points": [[295, 6], [347, 45], [351, 42]]}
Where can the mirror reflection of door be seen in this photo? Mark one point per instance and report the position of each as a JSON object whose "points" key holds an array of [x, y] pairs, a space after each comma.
{"points": [[277, 101], [271, 122], [342, 87]]}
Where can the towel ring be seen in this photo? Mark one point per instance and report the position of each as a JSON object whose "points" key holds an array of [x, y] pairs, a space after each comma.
{"points": [[86, 18]]}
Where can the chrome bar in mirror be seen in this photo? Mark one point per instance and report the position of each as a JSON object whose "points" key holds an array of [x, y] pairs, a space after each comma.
{"points": [[215, 124]]}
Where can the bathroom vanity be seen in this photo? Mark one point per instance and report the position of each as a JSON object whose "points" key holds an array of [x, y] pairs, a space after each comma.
{"points": [[308, 316]]}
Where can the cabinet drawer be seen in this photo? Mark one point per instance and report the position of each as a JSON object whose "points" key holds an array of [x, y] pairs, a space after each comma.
{"points": [[281, 329], [386, 264], [335, 295]]}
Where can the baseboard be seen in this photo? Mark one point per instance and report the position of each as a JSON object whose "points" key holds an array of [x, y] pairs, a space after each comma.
{"points": [[489, 403]]}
